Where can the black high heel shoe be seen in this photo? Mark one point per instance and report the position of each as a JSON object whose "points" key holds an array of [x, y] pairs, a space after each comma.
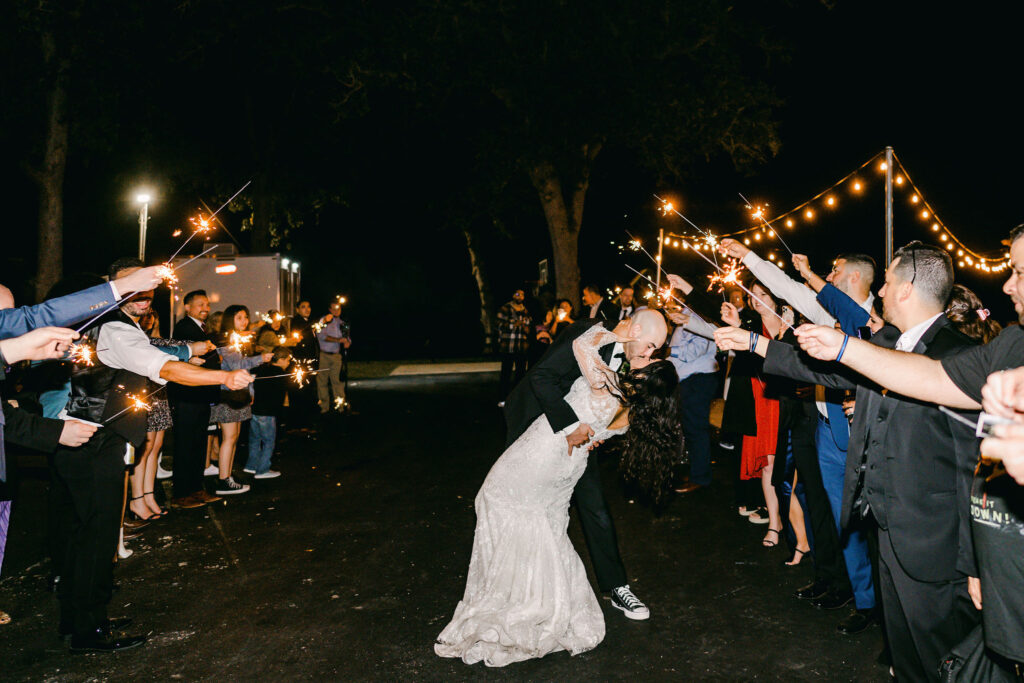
{"points": [[131, 514], [798, 557], [163, 510]]}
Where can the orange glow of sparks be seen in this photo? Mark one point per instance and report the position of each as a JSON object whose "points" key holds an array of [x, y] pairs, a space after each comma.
{"points": [[138, 403], [201, 223], [167, 274], [729, 275], [176, 233], [82, 353]]}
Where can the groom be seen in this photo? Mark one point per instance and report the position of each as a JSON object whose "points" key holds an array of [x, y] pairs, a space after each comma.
{"points": [[543, 391]]}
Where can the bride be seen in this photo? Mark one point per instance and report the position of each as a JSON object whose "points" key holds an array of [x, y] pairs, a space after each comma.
{"points": [[527, 592]]}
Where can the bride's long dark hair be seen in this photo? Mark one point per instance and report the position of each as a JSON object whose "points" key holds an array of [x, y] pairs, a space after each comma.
{"points": [[652, 443]]}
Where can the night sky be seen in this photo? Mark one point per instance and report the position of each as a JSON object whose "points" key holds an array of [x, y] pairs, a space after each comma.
{"points": [[940, 87]]}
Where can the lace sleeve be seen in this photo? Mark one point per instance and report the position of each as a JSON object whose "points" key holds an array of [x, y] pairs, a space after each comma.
{"points": [[585, 349]]}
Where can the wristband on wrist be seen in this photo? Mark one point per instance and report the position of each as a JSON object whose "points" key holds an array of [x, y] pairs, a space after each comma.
{"points": [[842, 349]]}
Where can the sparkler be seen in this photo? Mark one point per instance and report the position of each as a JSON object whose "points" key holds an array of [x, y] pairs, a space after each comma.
{"points": [[82, 353], [237, 339], [136, 403], [167, 274], [737, 283], [712, 242], [757, 213], [667, 295], [203, 225], [300, 374], [729, 276]]}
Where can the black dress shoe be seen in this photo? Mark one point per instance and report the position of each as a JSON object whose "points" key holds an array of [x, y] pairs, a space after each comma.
{"points": [[115, 624], [857, 621], [812, 591], [833, 600], [105, 640]]}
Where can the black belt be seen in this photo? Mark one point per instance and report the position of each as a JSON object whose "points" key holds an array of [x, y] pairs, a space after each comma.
{"points": [[331, 353]]}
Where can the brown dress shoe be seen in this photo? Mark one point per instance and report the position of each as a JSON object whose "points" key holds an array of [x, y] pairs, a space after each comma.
{"points": [[207, 497], [187, 502]]}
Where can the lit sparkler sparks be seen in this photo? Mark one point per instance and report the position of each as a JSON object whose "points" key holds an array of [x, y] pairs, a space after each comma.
{"points": [[176, 233], [634, 245], [729, 276], [318, 325], [282, 340], [237, 339], [135, 403], [757, 212], [300, 374], [82, 353], [167, 274]]}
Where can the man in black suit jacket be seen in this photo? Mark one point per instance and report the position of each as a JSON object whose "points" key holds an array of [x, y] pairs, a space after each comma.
{"points": [[596, 307], [191, 409], [908, 470], [543, 392]]}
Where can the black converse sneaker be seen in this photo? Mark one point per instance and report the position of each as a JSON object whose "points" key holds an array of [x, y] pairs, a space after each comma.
{"points": [[227, 487], [623, 599]]}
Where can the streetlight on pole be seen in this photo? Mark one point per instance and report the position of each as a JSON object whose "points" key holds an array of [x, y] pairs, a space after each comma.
{"points": [[143, 198]]}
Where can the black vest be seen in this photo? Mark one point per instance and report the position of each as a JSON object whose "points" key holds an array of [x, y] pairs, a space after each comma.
{"points": [[98, 392]]}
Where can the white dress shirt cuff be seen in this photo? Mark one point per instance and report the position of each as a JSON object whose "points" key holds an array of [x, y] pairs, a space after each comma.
{"points": [[114, 290]]}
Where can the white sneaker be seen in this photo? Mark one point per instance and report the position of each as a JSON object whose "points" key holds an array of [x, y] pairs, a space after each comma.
{"points": [[269, 474], [161, 473], [211, 471], [623, 599], [248, 471]]}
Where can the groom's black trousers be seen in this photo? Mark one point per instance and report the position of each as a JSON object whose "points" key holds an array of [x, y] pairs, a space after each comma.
{"points": [[598, 528]]}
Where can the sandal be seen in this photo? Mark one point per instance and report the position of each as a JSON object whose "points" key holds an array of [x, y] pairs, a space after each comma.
{"points": [[771, 544], [139, 518], [798, 556], [163, 511]]}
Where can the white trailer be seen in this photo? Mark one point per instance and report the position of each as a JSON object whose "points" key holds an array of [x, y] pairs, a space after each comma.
{"points": [[260, 281]]}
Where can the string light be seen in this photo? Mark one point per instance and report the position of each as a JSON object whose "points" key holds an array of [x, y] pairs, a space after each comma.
{"points": [[829, 198]]}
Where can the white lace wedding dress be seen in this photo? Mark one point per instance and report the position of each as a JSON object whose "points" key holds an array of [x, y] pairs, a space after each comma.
{"points": [[527, 592]]}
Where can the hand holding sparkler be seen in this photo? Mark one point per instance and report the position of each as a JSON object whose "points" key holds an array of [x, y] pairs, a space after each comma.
{"points": [[733, 339], [237, 379], [75, 433], [733, 249], [142, 280], [201, 348], [42, 343], [679, 283], [730, 315], [1003, 394], [802, 265]]}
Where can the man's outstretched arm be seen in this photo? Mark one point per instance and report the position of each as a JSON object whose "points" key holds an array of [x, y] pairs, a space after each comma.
{"points": [[908, 374]]}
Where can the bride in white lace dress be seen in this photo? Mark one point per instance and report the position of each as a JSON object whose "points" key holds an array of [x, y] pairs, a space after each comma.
{"points": [[527, 592]]}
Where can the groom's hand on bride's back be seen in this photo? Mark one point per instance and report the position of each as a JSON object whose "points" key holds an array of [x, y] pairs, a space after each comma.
{"points": [[579, 437]]}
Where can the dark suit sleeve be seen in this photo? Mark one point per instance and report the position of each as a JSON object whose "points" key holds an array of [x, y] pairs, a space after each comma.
{"points": [[546, 381], [59, 312], [30, 430], [783, 359]]}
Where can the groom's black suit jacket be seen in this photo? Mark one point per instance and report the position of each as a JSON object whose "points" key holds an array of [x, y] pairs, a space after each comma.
{"points": [[545, 386]]}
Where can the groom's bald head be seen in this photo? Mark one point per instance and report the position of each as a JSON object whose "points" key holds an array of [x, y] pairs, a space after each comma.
{"points": [[648, 330]]}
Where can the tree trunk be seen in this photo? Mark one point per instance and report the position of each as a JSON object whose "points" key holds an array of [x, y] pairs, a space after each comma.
{"points": [[484, 292], [564, 216], [49, 177]]}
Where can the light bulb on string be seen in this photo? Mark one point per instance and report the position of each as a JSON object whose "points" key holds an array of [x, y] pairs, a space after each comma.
{"points": [[899, 180], [676, 243], [809, 214], [831, 201], [935, 227], [924, 214], [950, 246], [746, 240], [857, 187], [883, 166], [789, 222], [915, 199], [757, 236], [944, 237]]}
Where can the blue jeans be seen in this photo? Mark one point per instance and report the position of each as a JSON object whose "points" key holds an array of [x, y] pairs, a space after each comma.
{"points": [[262, 437]]}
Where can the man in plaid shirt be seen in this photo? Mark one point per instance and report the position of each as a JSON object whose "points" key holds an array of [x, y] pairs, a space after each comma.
{"points": [[514, 329]]}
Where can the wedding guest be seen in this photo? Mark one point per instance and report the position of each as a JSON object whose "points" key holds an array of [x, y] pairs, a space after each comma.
{"points": [[514, 324], [235, 405], [302, 401], [269, 334], [334, 341], [909, 470], [267, 409], [143, 503], [626, 307], [190, 409], [753, 411], [694, 359], [851, 277], [970, 316], [596, 306], [92, 474]]}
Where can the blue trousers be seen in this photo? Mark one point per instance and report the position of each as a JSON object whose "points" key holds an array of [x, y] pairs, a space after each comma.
{"points": [[832, 460], [695, 394], [262, 437]]}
